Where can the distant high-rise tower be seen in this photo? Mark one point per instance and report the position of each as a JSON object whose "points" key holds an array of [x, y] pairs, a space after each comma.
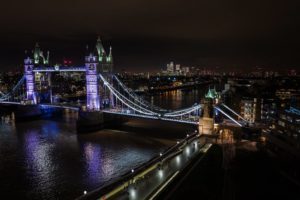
{"points": [[170, 67]]}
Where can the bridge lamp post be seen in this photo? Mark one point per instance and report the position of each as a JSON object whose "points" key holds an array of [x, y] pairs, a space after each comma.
{"points": [[178, 159], [160, 173], [196, 144], [187, 150], [133, 193]]}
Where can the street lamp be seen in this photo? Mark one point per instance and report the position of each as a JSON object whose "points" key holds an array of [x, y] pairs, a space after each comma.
{"points": [[187, 150], [178, 159], [160, 173], [133, 193]]}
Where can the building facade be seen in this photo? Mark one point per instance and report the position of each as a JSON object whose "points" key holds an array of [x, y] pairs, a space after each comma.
{"points": [[249, 109]]}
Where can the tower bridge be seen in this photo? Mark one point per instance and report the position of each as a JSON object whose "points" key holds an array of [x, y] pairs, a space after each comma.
{"points": [[105, 93]]}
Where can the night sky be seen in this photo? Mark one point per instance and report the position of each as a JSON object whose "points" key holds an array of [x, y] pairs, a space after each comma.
{"points": [[147, 34]]}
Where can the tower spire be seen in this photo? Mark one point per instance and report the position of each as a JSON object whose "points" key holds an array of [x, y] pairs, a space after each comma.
{"points": [[100, 49], [110, 58], [110, 51], [36, 54], [47, 59]]}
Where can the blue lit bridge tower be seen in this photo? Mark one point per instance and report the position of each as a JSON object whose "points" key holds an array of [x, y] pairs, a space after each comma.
{"points": [[30, 82], [92, 88], [33, 59], [106, 69], [97, 61]]}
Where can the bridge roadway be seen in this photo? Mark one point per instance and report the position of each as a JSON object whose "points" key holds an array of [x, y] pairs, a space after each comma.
{"points": [[184, 119], [147, 181], [189, 119], [129, 113]]}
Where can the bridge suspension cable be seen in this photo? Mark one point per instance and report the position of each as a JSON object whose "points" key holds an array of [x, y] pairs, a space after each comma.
{"points": [[5, 97], [116, 92], [147, 104], [125, 100], [234, 112], [224, 113], [136, 97], [183, 111]]}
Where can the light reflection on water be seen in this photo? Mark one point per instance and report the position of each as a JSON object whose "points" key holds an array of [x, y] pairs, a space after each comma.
{"points": [[47, 160], [177, 99], [94, 163]]}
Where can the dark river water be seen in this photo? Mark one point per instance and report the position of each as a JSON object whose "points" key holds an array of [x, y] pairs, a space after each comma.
{"points": [[46, 159]]}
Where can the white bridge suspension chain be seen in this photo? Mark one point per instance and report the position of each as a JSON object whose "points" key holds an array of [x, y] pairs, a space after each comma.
{"points": [[116, 92], [127, 102], [183, 111], [136, 97], [234, 112], [6, 96], [228, 116]]}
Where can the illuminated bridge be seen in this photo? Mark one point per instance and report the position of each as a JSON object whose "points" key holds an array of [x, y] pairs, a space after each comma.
{"points": [[106, 93]]}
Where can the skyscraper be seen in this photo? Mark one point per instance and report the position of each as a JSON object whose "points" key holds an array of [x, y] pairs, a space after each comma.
{"points": [[170, 67]]}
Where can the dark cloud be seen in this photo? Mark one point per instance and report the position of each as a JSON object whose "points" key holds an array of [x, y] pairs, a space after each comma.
{"points": [[150, 33]]}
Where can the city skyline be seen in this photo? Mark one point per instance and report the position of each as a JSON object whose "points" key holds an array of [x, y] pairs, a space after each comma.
{"points": [[144, 35], [140, 99]]}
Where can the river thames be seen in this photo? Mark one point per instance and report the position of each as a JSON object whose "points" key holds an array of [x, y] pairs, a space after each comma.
{"points": [[46, 159]]}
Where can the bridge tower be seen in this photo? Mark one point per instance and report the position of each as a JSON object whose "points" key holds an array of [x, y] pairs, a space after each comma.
{"points": [[206, 121], [105, 65], [214, 95], [34, 59], [110, 66], [30, 80], [92, 89], [105, 61]]}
